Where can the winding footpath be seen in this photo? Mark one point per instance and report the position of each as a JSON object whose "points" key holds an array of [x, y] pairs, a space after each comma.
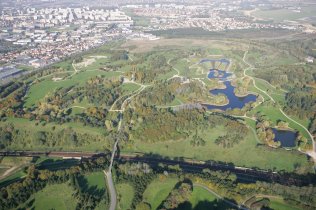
{"points": [[108, 174], [311, 153]]}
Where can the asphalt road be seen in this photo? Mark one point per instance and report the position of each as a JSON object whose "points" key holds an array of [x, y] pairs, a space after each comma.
{"points": [[111, 188]]}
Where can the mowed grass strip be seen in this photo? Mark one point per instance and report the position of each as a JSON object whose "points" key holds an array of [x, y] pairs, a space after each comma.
{"points": [[158, 190], [279, 204], [125, 194]]}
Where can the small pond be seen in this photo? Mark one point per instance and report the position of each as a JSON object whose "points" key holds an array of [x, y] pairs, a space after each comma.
{"points": [[286, 137]]}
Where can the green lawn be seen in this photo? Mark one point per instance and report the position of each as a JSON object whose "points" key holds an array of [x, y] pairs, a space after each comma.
{"points": [[158, 190], [279, 204], [239, 154], [125, 193], [96, 65], [129, 87], [31, 126], [13, 178], [56, 196], [39, 90], [96, 179], [200, 194]]}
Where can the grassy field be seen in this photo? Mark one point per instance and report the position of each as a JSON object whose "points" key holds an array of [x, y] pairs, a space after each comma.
{"points": [[199, 195], [129, 87], [12, 178], [96, 179], [279, 204], [96, 65], [158, 190], [56, 196], [125, 194], [238, 155], [39, 90], [279, 15], [31, 126], [11, 168]]}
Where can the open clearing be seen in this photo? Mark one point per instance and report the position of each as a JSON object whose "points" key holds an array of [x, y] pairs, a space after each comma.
{"points": [[56, 196], [158, 190], [96, 179], [125, 193]]}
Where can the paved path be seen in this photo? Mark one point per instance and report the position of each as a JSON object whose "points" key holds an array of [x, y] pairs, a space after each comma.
{"points": [[253, 80], [111, 189], [108, 174], [219, 196], [310, 153]]}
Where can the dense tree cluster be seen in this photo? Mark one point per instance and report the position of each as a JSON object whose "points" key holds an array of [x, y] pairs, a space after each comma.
{"points": [[138, 180], [161, 94], [17, 193], [9, 88], [162, 125], [12, 137], [151, 125], [117, 55], [148, 67], [178, 195], [237, 132], [301, 102], [265, 133], [197, 141], [12, 105], [102, 91], [288, 76], [87, 198]]}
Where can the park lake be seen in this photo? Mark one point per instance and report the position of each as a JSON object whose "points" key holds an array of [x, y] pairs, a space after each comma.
{"points": [[234, 101], [285, 137]]}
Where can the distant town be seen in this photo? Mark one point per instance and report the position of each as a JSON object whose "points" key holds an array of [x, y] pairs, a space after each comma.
{"points": [[36, 37]]}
